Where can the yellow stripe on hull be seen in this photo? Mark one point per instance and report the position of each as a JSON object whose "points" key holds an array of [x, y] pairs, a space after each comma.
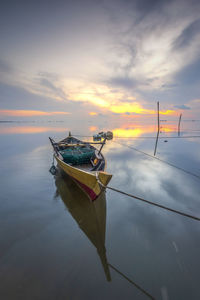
{"points": [[88, 179]]}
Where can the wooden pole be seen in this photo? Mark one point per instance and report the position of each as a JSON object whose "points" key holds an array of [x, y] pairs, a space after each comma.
{"points": [[179, 124], [158, 130], [158, 116]]}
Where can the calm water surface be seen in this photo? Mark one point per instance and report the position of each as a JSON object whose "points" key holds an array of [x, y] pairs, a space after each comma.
{"points": [[54, 244]]}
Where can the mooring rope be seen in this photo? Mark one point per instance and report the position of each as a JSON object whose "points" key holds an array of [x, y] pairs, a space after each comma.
{"points": [[159, 159], [132, 282], [160, 137], [147, 201], [150, 202], [155, 204], [148, 137]]}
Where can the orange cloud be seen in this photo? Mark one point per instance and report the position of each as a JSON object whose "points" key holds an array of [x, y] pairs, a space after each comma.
{"points": [[29, 113], [168, 112], [135, 107], [103, 97]]}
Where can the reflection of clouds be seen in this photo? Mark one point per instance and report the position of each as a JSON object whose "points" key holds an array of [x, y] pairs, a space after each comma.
{"points": [[134, 130], [30, 113], [153, 180], [148, 230], [29, 129], [136, 172], [148, 176], [142, 240]]}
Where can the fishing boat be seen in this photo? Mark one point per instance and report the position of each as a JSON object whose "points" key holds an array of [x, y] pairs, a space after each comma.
{"points": [[83, 162], [90, 216]]}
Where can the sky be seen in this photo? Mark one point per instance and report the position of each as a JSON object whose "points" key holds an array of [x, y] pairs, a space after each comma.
{"points": [[95, 58]]}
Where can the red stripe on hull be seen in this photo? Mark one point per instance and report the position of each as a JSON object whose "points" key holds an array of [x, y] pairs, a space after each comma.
{"points": [[89, 191]]}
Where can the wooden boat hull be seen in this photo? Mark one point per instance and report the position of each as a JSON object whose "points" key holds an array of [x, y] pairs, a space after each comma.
{"points": [[90, 181]]}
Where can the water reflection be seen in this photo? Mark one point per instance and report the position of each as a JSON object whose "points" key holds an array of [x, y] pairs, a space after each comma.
{"points": [[29, 129], [135, 130], [46, 255], [90, 216]]}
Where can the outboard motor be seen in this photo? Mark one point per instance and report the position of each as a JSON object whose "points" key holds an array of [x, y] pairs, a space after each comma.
{"points": [[109, 135], [106, 135]]}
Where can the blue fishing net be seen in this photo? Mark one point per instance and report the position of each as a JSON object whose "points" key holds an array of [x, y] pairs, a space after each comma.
{"points": [[77, 155]]}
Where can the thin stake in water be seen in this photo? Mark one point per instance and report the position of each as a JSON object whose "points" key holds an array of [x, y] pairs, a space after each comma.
{"points": [[158, 131], [179, 124]]}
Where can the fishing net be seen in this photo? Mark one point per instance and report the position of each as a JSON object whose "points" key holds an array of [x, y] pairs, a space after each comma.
{"points": [[77, 155]]}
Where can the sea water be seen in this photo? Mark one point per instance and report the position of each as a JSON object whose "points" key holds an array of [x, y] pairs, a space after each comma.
{"points": [[150, 252]]}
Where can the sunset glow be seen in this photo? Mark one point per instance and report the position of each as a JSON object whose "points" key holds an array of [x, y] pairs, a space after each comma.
{"points": [[133, 130], [82, 91], [29, 113], [120, 132], [137, 109], [93, 128], [93, 62], [29, 129]]}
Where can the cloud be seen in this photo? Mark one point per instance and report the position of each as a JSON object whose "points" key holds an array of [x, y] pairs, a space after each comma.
{"points": [[5, 67], [190, 74], [144, 52], [52, 83], [195, 105], [183, 106], [188, 35], [137, 108], [122, 82], [108, 54]]}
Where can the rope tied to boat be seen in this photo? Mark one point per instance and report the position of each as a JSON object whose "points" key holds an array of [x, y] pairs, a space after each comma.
{"points": [[148, 202], [159, 159]]}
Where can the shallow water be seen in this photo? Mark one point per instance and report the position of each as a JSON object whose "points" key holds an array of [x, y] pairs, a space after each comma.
{"points": [[56, 245]]}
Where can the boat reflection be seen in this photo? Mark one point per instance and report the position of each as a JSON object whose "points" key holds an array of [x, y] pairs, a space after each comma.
{"points": [[90, 216]]}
